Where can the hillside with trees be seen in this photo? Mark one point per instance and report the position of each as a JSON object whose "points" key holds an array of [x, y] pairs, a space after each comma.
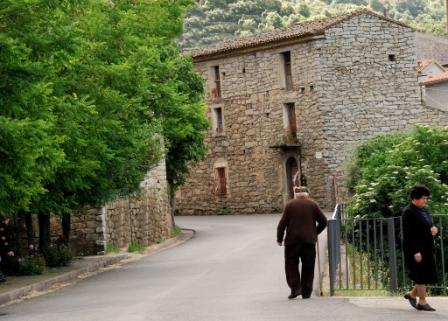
{"points": [[213, 21]]}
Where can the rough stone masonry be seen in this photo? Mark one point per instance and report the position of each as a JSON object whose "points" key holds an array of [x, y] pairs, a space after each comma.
{"points": [[299, 100], [143, 219]]}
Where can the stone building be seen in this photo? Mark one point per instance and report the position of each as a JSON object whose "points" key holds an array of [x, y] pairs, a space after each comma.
{"points": [[298, 100], [435, 91], [428, 69], [433, 80]]}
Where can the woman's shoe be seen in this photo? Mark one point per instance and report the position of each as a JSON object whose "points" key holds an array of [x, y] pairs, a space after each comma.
{"points": [[425, 307], [412, 301]]}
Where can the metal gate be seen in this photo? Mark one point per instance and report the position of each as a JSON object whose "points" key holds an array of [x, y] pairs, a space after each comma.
{"points": [[367, 254]]}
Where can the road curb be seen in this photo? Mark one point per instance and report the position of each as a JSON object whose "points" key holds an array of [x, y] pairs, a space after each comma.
{"points": [[96, 266]]}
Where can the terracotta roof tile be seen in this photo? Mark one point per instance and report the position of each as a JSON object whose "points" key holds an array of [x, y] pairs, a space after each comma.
{"points": [[422, 64], [443, 77], [295, 31]]}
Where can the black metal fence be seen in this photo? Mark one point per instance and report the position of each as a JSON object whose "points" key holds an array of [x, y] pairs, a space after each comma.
{"points": [[367, 254]]}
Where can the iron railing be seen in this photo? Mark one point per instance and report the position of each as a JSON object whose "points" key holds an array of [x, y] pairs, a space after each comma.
{"points": [[367, 254]]}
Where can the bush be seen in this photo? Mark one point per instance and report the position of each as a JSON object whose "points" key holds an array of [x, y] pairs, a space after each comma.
{"points": [[387, 166], [58, 255], [32, 266]]}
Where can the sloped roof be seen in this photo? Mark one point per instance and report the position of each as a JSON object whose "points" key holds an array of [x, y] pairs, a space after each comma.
{"points": [[295, 31], [432, 47], [443, 77], [422, 64]]}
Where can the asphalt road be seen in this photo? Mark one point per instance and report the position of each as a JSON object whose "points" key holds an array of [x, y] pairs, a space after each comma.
{"points": [[231, 270]]}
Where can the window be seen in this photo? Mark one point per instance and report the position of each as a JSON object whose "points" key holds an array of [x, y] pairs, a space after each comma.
{"points": [[221, 180], [290, 111], [219, 124], [216, 91], [287, 71], [392, 57]]}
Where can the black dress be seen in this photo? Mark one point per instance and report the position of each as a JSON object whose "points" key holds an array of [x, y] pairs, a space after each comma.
{"points": [[417, 237]]}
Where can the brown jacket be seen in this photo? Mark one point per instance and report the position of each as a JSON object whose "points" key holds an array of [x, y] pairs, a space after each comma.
{"points": [[299, 219]]}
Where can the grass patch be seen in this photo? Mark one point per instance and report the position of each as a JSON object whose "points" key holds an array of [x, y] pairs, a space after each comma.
{"points": [[349, 292], [111, 249], [361, 275], [136, 247], [175, 231]]}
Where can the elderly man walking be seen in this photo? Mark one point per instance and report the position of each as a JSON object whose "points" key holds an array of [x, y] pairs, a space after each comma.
{"points": [[303, 220]]}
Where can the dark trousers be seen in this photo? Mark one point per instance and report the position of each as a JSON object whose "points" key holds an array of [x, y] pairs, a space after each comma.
{"points": [[304, 253]]}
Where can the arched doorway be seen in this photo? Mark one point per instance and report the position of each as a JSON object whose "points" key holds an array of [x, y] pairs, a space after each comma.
{"points": [[291, 170]]}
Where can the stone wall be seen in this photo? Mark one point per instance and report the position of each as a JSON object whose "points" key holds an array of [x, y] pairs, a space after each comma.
{"points": [[85, 225], [144, 219], [252, 100], [367, 85]]}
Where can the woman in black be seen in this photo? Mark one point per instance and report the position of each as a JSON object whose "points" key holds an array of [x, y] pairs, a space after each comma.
{"points": [[418, 243]]}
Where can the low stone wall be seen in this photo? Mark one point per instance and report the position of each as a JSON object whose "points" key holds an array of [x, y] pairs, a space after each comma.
{"points": [[144, 219]]}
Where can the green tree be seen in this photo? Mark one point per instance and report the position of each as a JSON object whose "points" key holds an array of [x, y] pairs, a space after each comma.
{"points": [[29, 149], [304, 10], [414, 7], [377, 5], [112, 84]]}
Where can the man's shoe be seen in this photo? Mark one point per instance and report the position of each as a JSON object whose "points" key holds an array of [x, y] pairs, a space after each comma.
{"points": [[294, 294], [425, 307], [412, 301]]}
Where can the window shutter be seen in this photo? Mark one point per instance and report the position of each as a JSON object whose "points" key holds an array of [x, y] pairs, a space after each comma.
{"points": [[292, 119]]}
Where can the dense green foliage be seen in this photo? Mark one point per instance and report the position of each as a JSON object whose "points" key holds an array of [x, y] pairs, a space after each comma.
{"points": [[218, 20], [29, 150], [32, 266], [58, 255], [387, 166], [90, 89]]}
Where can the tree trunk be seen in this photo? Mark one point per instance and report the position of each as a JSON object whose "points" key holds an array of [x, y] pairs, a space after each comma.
{"points": [[44, 231], [66, 225], [29, 229]]}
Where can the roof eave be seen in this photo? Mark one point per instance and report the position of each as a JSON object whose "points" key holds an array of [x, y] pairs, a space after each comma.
{"points": [[257, 47], [434, 82], [205, 55]]}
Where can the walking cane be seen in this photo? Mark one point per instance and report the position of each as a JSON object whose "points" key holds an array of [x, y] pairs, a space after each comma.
{"points": [[318, 268]]}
